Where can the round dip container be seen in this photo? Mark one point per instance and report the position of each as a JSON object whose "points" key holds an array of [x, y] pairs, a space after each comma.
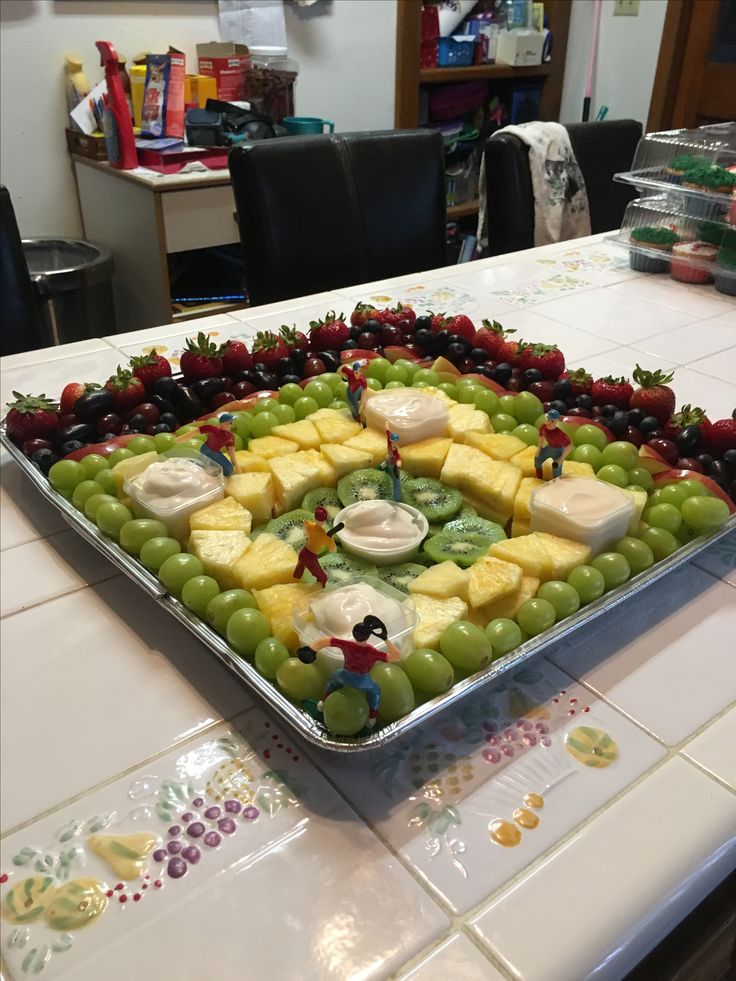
{"points": [[384, 532]]}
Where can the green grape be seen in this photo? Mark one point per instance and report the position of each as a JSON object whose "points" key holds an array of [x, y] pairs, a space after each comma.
{"points": [[507, 405], [93, 503], [704, 513], [464, 382], [107, 482], [527, 434], [637, 553], [641, 477], [612, 473], [289, 393], [374, 384], [123, 453], [526, 407], [486, 400], [285, 414], [197, 593], [427, 375], [162, 442], [243, 424], [320, 392], [84, 490], [661, 542], [246, 628], [396, 372], [93, 462], [299, 681], [562, 596], [621, 454], [504, 635], [340, 391], [397, 695], [502, 422], [111, 517], [332, 379], [449, 389], [263, 423], [675, 494], [263, 405], [194, 443], [419, 384], [590, 435], [338, 404], [587, 453], [377, 368], [270, 654], [134, 534], [429, 671], [613, 567], [157, 550], [466, 646], [693, 488], [394, 384], [411, 366], [237, 442], [535, 616], [221, 608], [177, 570], [588, 583], [346, 712], [66, 474], [141, 444], [466, 394], [304, 407], [686, 534], [663, 516]]}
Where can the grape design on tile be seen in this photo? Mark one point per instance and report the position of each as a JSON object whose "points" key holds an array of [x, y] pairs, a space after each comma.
{"points": [[438, 824]]}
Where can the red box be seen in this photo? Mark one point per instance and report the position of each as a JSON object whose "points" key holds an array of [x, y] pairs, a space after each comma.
{"points": [[172, 161], [175, 95], [228, 64], [429, 46]]}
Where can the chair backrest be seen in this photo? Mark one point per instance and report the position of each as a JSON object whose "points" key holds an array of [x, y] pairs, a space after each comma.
{"points": [[20, 326], [322, 212], [602, 149]]}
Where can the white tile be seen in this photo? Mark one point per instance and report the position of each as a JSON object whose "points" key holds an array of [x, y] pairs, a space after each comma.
{"points": [[615, 314], [95, 682], [435, 793], [716, 396], [42, 570], [395, 284], [456, 958], [694, 301], [172, 346], [727, 319], [24, 514], [695, 341], [720, 559], [604, 264], [576, 344], [187, 328], [621, 361], [50, 377], [449, 294], [663, 656], [713, 749], [299, 317], [11, 361], [722, 365], [596, 907], [300, 888], [327, 299]]}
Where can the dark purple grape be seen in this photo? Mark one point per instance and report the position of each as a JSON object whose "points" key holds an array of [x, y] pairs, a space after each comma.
{"points": [[577, 411], [160, 427], [174, 847], [285, 366], [44, 459], [488, 370], [246, 375], [459, 339], [176, 868], [719, 472], [175, 830], [250, 813], [159, 855], [192, 854], [226, 825], [163, 405], [196, 830], [232, 806], [266, 380], [687, 439], [212, 839], [212, 812], [705, 460], [331, 360], [729, 458]]}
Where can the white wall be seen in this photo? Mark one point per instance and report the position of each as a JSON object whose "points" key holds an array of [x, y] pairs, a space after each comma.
{"points": [[628, 49], [346, 50]]}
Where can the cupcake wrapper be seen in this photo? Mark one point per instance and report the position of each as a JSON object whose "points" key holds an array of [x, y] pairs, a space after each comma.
{"points": [[726, 284], [644, 263], [685, 273], [703, 208]]}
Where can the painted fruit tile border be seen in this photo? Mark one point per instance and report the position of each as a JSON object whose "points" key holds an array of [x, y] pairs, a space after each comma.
{"points": [[483, 790]]}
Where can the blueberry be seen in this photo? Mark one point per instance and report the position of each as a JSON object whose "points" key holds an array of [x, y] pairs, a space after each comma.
{"points": [[618, 424], [372, 326], [502, 372], [559, 406], [71, 446], [44, 460], [170, 420], [423, 323], [290, 380], [609, 411], [563, 388], [355, 332], [138, 423], [160, 427], [532, 375], [424, 338], [584, 402], [284, 366], [457, 339], [635, 417], [440, 341], [729, 458], [455, 353], [648, 424], [479, 355], [349, 345]]}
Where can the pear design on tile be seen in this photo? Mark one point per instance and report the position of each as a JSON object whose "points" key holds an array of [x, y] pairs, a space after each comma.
{"points": [[76, 904], [125, 854], [591, 746]]}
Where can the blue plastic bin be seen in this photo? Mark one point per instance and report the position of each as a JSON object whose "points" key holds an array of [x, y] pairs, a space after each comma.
{"points": [[457, 51]]}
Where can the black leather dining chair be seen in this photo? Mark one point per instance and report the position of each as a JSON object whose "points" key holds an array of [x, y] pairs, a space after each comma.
{"points": [[321, 212], [602, 149], [20, 325]]}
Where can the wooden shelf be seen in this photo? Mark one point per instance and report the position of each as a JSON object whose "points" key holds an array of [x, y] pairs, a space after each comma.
{"points": [[428, 76], [463, 210]]}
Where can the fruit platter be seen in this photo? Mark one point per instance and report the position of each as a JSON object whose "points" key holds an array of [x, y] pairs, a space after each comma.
{"points": [[369, 519]]}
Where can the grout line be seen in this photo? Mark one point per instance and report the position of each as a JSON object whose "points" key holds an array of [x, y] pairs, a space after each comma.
{"points": [[50, 599]]}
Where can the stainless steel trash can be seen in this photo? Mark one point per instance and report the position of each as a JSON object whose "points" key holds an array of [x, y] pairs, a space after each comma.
{"points": [[73, 288]]}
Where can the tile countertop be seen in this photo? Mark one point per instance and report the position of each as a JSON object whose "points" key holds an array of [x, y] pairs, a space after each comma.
{"points": [[146, 798]]}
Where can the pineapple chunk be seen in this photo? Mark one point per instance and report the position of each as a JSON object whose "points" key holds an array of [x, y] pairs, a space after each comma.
{"points": [[439, 394], [464, 419], [639, 497], [523, 498], [254, 491], [219, 552], [490, 579], [292, 478], [444, 581], [425, 458], [490, 486], [268, 562], [525, 461], [251, 462], [520, 526], [127, 469], [344, 459], [509, 604], [528, 552], [224, 515], [433, 615], [330, 414], [327, 471], [370, 441], [277, 603], [303, 432], [565, 554], [499, 446], [336, 428], [268, 446]]}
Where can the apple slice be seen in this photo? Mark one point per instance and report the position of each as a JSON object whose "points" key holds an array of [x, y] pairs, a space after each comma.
{"points": [[487, 383], [442, 364], [666, 477], [650, 460], [102, 449], [574, 422], [393, 352], [355, 354], [242, 405]]}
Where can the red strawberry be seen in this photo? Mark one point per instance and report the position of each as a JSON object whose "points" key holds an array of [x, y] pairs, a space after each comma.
{"points": [[437, 322], [150, 367], [126, 388], [329, 334], [399, 316], [268, 349], [508, 353], [688, 416], [31, 417], [580, 380], [294, 339], [721, 437], [363, 312], [74, 391], [612, 391], [490, 337], [235, 358], [547, 358], [202, 358], [653, 396], [462, 326]]}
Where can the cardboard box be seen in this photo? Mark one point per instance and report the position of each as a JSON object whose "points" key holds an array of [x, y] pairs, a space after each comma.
{"points": [[520, 48], [198, 89], [228, 64], [92, 146], [175, 94]]}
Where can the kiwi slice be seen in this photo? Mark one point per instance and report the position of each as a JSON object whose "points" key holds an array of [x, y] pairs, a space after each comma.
{"points": [[290, 527], [364, 485], [435, 501], [399, 576], [466, 511], [324, 497], [462, 547], [478, 526], [435, 528], [341, 567]]}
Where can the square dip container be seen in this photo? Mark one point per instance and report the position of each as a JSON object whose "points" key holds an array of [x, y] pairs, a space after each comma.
{"points": [[591, 512]]}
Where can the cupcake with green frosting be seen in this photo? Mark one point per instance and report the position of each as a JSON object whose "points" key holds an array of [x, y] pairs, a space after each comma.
{"points": [[679, 166], [711, 180], [651, 237], [725, 271]]}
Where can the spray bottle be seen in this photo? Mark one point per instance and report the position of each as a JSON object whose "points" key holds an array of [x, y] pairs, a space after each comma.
{"points": [[118, 125]]}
